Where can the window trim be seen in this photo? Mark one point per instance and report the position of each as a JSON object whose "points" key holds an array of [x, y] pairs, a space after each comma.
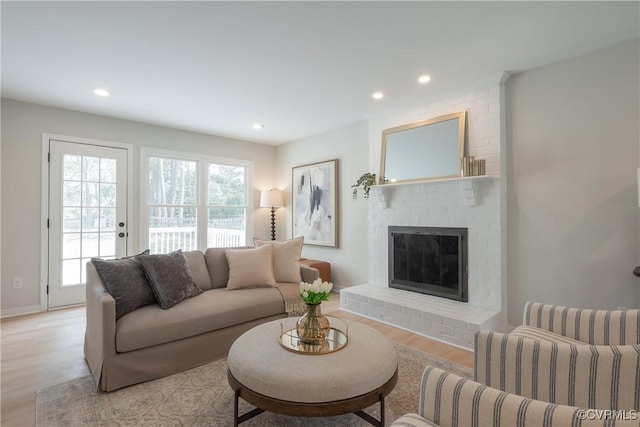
{"points": [[202, 206]]}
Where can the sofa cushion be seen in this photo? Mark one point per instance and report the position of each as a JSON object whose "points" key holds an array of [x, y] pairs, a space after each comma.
{"points": [[125, 280], [169, 277], [250, 268], [286, 255], [198, 268], [212, 310], [217, 266]]}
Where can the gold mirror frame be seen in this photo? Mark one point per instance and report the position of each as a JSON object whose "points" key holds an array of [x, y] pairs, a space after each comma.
{"points": [[460, 116]]}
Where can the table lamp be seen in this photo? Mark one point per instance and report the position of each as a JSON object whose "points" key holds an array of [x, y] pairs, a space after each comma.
{"points": [[271, 199]]}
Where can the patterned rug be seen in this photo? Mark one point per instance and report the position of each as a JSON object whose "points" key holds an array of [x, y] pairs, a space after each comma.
{"points": [[202, 397]]}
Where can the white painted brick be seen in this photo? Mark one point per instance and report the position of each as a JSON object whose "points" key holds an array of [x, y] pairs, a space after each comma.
{"points": [[442, 329], [455, 323], [421, 326], [432, 317], [376, 302], [464, 334], [412, 312], [393, 306]]}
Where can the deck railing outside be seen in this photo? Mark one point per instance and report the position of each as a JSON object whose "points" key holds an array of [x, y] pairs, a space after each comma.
{"points": [[167, 239]]}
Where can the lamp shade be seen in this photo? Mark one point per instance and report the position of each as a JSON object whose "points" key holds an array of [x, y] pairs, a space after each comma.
{"points": [[271, 199]]}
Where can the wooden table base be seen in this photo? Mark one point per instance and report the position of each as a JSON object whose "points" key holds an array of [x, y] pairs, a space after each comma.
{"points": [[325, 409]]}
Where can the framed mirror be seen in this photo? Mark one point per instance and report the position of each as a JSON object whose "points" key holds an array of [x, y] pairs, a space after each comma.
{"points": [[422, 151]]}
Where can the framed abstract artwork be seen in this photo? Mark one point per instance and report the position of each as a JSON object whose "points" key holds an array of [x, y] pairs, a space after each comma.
{"points": [[315, 203]]}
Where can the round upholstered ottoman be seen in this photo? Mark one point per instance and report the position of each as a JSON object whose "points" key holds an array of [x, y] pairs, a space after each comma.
{"points": [[273, 379]]}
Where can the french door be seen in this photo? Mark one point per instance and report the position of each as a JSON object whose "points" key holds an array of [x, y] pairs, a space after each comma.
{"points": [[87, 214]]}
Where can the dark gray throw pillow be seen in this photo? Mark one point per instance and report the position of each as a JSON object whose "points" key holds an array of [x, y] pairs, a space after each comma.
{"points": [[169, 277], [126, 282]]}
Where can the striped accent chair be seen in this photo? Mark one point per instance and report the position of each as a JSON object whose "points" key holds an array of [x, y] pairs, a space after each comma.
{"points": [[448, 400], [567, 356], [598, 327]]}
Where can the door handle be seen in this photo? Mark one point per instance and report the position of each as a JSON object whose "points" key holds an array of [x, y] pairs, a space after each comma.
{"points": [[120, 234], [121, 224]]}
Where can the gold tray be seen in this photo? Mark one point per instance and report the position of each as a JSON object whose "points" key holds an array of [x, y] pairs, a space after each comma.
{"points": [[336, 340]]}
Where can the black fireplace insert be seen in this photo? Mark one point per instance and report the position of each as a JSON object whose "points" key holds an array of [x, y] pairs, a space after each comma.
{"points": [[429, 260]]}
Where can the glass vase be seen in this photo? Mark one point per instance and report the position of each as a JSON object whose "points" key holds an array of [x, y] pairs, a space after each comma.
{"points": [[313, 327]]}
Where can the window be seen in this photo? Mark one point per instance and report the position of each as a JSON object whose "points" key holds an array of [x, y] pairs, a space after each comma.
{"points": [[226, 207], [193, 203]]}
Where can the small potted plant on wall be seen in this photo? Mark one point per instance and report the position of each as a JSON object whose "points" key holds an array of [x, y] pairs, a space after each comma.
{"points": [[365, 181]]}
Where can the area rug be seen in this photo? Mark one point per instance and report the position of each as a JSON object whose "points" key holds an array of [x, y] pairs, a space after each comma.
{"points": [[202, 397]]}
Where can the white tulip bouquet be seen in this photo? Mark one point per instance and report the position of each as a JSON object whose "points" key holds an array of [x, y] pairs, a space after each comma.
{"points": [[316, 292]]}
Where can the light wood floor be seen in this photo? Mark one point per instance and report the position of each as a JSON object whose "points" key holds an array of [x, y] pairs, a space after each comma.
{"points": [[46, 348]]}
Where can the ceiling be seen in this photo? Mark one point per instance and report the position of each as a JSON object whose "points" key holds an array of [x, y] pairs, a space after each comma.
{"points": [[299, 68]]}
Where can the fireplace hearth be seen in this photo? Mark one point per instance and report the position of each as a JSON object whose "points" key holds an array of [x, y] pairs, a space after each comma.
{"points": [[429, 260]]}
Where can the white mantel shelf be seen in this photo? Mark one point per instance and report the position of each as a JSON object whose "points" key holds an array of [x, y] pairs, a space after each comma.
{"points": [[468, 185]]}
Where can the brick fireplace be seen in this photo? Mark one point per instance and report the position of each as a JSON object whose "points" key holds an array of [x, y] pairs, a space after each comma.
{"points": [[473, 203]]}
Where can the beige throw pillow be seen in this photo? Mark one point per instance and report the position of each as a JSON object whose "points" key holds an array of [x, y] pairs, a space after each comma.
{"points": [[250, 268], [286, 255], [195, 261]]}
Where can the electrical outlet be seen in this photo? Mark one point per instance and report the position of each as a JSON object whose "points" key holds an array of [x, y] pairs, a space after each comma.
{"points": [[17, 282]]}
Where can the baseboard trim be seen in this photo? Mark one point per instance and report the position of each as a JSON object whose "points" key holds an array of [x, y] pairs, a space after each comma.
{"points": [[20, 311]]}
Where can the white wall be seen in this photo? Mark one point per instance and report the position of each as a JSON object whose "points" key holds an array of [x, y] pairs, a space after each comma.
{"points": [[572, 207], [22, 128], [348, 144]]}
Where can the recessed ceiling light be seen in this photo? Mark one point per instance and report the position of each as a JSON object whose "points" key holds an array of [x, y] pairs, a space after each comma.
{"points": [[258, 125], [424, 79], [101, 92], [378, 95]]}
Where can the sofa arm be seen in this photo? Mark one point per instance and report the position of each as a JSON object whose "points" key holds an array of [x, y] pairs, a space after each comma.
{"points": [[589, 376], [449, 400], [598, 327], [100, 334], [309, 274]]}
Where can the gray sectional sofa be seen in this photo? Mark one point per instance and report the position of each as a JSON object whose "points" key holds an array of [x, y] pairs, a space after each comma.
{"points": [[150, 342]]}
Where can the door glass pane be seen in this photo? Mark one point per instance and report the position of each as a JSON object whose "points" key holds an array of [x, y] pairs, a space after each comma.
{"points": [[90, 196], [71, 193], [71, 245], [107, 195], [91, 169], [84, 214], [71, 167], [107, 219], [107, 245], [90, 219], [71, 272], [90, 243], [108, 170], [71, 219]]}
